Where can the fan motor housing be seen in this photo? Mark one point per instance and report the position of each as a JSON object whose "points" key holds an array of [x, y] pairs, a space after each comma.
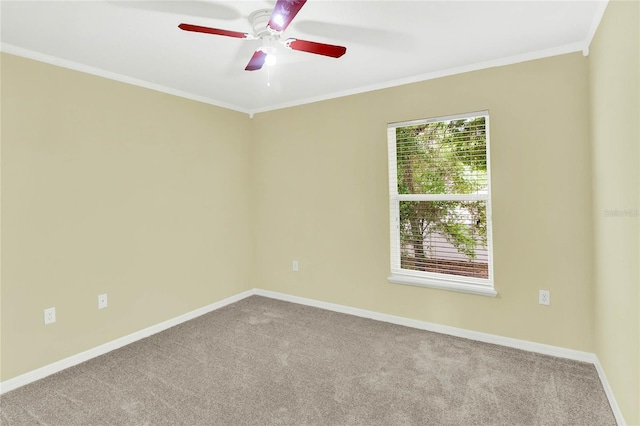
{"points": [[259, 20]]}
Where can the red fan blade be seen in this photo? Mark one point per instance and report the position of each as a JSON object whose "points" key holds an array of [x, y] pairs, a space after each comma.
{"points": [[257, 60], [216, 31], [283, 14], [317, 48]]}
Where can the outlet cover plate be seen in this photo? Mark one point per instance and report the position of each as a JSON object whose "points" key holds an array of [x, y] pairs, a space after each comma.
{"points": [[102, 301], [544, 297], [49, 316]]}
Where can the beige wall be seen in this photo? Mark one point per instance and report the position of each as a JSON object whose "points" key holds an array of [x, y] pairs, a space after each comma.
{"points": [[111, 188], [614, 64], [321, 190]]}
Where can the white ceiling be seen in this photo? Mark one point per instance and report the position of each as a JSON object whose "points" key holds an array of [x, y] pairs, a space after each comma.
{"points": [[388, 43]]}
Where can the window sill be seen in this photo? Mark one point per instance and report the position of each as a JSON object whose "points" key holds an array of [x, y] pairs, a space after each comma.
{"points": [[444, 285]]}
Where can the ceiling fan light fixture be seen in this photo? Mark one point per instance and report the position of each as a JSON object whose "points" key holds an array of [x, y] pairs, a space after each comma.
{"points": [[271, 59], [270, 50]]}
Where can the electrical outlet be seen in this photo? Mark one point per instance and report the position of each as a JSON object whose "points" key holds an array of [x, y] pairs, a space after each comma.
{"points": [[544, 297], [49, 316], [295, 266], [102, 301]]}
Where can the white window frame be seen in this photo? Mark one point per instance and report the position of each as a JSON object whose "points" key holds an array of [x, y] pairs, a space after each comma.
{"points": [[463, 284]]}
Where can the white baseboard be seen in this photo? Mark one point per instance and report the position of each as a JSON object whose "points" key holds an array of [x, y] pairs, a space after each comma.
{"points": [[438, 328], [460, 332], [609, 392], [57, 366]]}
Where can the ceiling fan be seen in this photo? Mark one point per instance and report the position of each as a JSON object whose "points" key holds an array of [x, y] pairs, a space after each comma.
{"points": [[268, 26]]}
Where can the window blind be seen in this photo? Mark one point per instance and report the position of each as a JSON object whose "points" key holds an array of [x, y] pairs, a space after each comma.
{"points": [[440, 198]]}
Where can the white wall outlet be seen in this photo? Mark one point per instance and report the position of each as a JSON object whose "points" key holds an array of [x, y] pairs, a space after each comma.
{"points": [[295, 266], [49, 316], [102, 301], [544, 297]]}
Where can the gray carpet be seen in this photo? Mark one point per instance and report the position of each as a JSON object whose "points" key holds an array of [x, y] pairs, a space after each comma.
{"points": [[267, 362]]}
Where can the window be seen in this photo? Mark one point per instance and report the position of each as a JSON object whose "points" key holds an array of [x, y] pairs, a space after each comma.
{"points": [[440, 202]]}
